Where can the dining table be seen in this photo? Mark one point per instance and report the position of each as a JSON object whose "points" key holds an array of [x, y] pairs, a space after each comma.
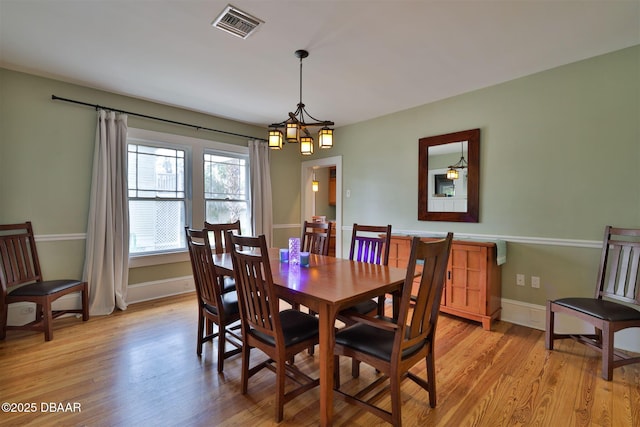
{"points": [[327, 286]]}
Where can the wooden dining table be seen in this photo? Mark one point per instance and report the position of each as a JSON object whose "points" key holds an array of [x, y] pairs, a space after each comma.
{"points": [[327, 286]]}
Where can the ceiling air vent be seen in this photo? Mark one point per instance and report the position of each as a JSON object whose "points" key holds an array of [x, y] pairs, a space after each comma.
{"points": [[236, 22]]}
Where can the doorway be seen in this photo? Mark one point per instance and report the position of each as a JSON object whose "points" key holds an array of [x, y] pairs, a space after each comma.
{"points": [[309, 196]]}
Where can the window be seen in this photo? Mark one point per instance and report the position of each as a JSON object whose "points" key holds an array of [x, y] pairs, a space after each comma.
{"points": [[157, 199], [175, 181], [226, 188]]}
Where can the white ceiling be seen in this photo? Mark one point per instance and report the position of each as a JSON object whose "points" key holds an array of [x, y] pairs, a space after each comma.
{"points": [[367, 58]]}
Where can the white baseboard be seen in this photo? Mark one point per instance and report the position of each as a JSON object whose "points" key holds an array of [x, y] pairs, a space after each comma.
{"points": [[517, 312], [159, 289], [21, 313], [534, 316]]}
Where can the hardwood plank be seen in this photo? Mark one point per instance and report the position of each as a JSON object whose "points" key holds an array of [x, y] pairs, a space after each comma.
{"points": [[139, 367]]}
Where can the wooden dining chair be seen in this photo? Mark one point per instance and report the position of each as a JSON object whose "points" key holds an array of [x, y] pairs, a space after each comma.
{"points": [[279, 334], [615, 306], [316, 237], [20, 270], [221, 244], [369, 243], [219, 231], [394, 347], [214, 306]]}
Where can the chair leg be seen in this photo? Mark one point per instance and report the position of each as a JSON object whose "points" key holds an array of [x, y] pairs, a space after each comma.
{"points": [[607, 352], [3, 321], [221, 346], [85, 302], [244, 377], [431, 378], [336, 372], [548, 336], [280, 379], [355, 368], [381, 300], [200, 332], [396, 402], [38, 313], [47, 319]]}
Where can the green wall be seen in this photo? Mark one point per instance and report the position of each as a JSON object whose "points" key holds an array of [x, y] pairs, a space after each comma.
{"points": [[46, 154], [559, 160]]}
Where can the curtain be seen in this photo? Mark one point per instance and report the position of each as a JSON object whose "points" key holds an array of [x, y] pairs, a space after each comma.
{"points": [[106, 266], [261, 204]]}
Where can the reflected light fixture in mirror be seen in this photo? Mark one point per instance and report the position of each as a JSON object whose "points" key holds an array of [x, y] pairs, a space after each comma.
{"points": [[452, 172]]}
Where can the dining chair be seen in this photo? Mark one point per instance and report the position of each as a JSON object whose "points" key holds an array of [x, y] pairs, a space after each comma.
{"points": [[20, 270], [369, 243], [278, 334], [316, 237], [214, 306], [615, 305], [393, 347], [221, 244]]}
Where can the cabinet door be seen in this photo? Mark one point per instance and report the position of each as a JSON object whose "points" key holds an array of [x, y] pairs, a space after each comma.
{"points": [[467, 278]]}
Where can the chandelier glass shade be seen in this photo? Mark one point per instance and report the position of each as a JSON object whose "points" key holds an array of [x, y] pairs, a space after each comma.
{"points": [[296, 127]]}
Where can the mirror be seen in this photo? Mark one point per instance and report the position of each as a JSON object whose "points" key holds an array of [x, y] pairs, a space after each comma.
{"points": [[449, 177]]}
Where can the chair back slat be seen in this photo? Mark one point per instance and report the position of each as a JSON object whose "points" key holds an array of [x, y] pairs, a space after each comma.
{"points": [[254, 282], [220, 237], [19, 262], [205, 274], [419, 313], [370, 244], [316, 237], [618, 277], [633, 275]]}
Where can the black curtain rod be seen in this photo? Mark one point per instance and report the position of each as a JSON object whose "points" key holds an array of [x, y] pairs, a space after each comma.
{"points": [[96, 106]]}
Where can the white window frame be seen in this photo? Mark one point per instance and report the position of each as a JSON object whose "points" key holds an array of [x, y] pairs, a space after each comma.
{"points": [[194, 167], [245, 224]]}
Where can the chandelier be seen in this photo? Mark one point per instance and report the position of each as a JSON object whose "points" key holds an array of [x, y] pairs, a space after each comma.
{"points": [[452, 172], [296, 127]]}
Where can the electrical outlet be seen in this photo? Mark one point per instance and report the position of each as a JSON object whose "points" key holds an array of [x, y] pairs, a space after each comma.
{"points": [[520, 279], [535, 282]]}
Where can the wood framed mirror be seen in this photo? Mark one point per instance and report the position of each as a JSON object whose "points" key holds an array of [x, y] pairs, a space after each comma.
{"points": [[445, 195]]}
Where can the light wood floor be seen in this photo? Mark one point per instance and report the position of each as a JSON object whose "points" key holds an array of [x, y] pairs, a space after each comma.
{"points": [[139, 368]]}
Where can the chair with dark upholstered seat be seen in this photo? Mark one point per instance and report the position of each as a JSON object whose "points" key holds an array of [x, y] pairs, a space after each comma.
{"points": [[20, 270], [369, 243], [214, 306], [279, 334], [394, 347], [615, 305], [221, 244], [316, 237]]}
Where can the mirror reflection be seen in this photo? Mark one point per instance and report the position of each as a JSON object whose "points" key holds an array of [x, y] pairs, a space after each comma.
{"points": [[448, 177]]}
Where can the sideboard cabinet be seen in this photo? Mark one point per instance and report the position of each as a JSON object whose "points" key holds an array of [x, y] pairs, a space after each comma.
{"points": [[473, 280]]}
